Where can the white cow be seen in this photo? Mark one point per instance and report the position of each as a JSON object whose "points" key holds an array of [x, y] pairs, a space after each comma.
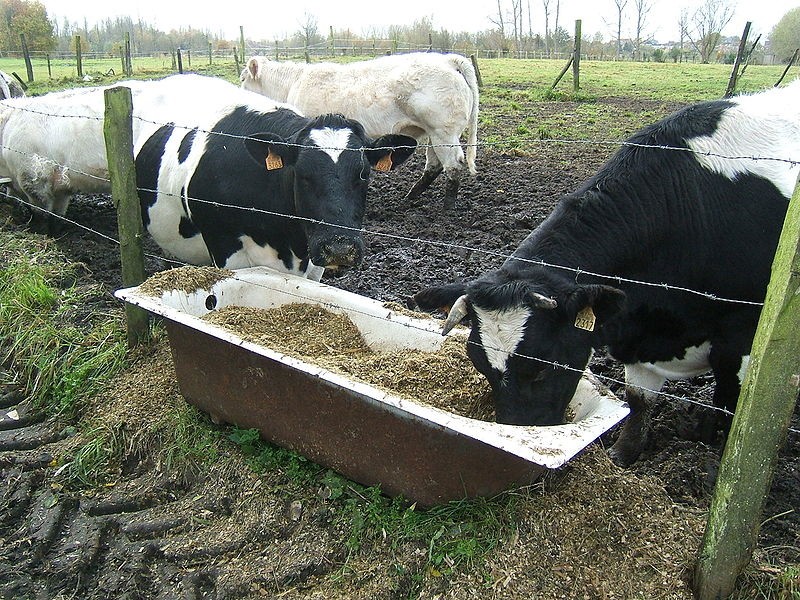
{"points": [[52, 146], [431, 97]]}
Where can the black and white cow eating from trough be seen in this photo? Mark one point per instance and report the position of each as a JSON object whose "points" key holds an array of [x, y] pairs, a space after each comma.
{"points": [[696, 202], [432, 97], [225, 177]]}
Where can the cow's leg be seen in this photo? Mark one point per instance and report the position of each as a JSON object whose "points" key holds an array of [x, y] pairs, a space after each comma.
{"points": [[728, 375], [633, 435], [639, 388], [453, 178], [433, 168], [39, 208], [58, 208]]}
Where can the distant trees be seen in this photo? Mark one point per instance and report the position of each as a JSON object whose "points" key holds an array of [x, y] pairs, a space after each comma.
{"points": [[27, 17], [709, 20], [511, 34], [620, 4], [785, 35]]}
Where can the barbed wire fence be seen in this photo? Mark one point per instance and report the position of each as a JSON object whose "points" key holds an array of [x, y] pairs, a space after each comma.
{"points": [[457, 249]]}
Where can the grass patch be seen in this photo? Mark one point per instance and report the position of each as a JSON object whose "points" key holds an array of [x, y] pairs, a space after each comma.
{"points": [[456, 534], [61, 348]]}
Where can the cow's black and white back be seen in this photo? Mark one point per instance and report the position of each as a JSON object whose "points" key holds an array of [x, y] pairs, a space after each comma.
{"points": [[695, 201]]}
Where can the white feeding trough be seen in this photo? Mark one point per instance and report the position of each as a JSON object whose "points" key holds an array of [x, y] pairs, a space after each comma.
{"points": [[370, 435]]}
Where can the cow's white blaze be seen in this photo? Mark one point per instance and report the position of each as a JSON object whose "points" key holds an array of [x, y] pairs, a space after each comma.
{"points": [[331, 141], [501, 332]]}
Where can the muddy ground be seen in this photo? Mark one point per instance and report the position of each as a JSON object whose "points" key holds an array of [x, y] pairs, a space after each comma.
{"points": [[589, 530]]}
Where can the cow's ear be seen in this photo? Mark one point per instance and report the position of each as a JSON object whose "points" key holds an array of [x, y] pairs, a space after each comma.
{"points": [[390, 151], [252, 67], [590, 303], [439, 297], [271, 151]]}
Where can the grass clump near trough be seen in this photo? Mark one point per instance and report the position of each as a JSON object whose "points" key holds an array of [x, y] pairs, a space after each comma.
{"points": [[60, 347]]}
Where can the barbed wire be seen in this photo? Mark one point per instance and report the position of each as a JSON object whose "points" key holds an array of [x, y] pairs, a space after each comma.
{"points": [[448, 245], [477, 146], [576, 270], [607, 380]]}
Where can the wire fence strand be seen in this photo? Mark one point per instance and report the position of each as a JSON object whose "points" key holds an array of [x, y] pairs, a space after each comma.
{"points": [[457, 248]]}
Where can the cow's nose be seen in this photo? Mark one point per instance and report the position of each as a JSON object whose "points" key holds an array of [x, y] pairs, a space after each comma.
{"points": [[340, 252]]}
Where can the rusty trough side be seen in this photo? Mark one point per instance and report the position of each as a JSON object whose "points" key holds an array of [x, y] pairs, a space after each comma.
{"points": [[342, 429]]}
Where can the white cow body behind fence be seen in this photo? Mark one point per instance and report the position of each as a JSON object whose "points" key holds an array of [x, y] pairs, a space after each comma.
{"points": [[431, 97], [52, 146]]}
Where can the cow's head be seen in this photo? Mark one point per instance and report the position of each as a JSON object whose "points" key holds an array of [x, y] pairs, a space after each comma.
{"points": [[531, 337], [331, 161]]}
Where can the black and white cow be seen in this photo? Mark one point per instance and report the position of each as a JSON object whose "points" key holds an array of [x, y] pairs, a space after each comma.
{"points": [[217, 191], [216, 166], [702, 216]]}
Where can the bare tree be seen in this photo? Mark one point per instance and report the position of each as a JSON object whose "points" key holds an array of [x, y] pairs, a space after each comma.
{"points": [[309, 30], [530, 21], [501, 24], [643, 8], [709, 20], [555, 25], [516, 23], [620, 8], [683, 27], [546, 5]]}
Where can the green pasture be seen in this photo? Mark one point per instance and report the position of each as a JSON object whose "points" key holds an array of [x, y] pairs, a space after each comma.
{"points": [[519, 110], [679, 82]]}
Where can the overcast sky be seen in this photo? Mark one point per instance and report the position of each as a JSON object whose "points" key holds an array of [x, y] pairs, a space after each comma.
{"points": [[272, 19]]}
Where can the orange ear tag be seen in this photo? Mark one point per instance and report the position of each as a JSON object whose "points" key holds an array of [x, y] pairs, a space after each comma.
{"points": [[385, 163], [585, 319], [274, 161]]}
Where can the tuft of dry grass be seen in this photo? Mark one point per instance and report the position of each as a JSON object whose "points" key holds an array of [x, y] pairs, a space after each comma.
{"points": [[186, 279]]}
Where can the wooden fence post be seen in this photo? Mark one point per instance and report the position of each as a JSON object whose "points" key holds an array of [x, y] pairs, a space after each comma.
{"points": [[118, 132], [563, 71], [78, 55], [474, 60], [786, 70], [576, 58], [241, 42], [739, 55], [180, 61], [27, 56], [128, 67], [760, 424]]}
